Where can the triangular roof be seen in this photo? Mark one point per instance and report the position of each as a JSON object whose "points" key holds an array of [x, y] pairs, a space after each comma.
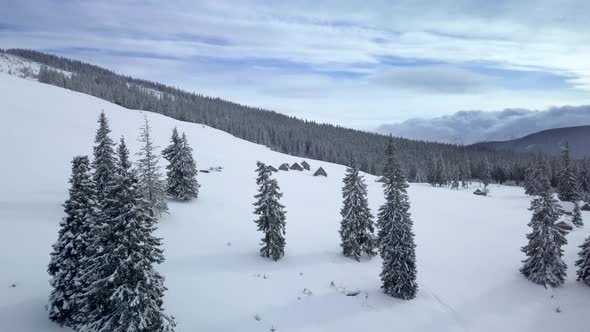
{"points": [[296, 167], [321, 172]]}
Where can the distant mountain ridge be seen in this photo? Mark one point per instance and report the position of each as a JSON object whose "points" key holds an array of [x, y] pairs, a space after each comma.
{"points": [[550, 141], [470, 127]]}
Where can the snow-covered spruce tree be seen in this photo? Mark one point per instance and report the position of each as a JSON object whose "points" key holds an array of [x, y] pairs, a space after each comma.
{"points": [[577, 215], [455, 181], [583, 263], [181, 170], [271, 214], [440, 172], [396, 238], [584, 180], [465, 171], [70, 248], [123, 292], [431, 171], [485, 175], [567, 185], [537, 178], [356, 227], [170, 151], [151, 183], [124, 165], [104, 157], [531, 180], [544, 264]]}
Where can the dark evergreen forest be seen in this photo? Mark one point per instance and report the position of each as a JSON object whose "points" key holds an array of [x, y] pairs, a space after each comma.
{"points": [[279, 132]]}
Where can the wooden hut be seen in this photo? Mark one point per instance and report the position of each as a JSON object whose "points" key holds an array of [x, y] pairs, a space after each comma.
{"points": [[296, 167], [586, 207], [272, 168], [320, 172], [305, 165], [381, 180], [284, 167]]}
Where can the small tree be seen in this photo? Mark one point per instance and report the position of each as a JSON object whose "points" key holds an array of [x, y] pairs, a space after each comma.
{"points": [[182, 169], [485, 173], [440, 172], [465, 174], [530, 180], [70, 248], [567, 182], [584, 180], [396, 239], [455, 181], [583, 263], [577, 215], [271, 214], [122, 291], [544, 264], [151, 184], [356, 227]]}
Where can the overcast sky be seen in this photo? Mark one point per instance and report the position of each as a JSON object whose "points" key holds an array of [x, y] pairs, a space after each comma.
{"points": [[354, 63]]}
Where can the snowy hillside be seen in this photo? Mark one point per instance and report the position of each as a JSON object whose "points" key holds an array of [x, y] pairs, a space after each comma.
{"points": [[468, 246], [17, 66]]}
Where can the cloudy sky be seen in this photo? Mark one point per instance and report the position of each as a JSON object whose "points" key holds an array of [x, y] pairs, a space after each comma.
{"points": [[354, 63]]}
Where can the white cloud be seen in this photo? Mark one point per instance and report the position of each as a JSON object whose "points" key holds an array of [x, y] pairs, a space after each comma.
{"points": [[326, 37], [476, 126]]}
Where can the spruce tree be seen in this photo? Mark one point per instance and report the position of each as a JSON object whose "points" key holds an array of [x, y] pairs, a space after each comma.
{"points": [[171, 151], [181, 170], [544, 264], [104, 157], [577, 215], [151, 184], [584, 180], [124, 165], [70, 248], [431, 175], [441, 172], [567, 186], [455, 181], [465, 171], [537, 178], [396, 238], [356, 227], [531, 180], [122, 290], [583, 263], [271, 214], [485, 174]]}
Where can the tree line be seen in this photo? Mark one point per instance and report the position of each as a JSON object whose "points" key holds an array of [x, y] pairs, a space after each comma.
{"points": [[279, 132]]}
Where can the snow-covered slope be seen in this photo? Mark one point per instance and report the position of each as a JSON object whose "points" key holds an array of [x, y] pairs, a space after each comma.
{"points": [[20, 67], [468, 246]]}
